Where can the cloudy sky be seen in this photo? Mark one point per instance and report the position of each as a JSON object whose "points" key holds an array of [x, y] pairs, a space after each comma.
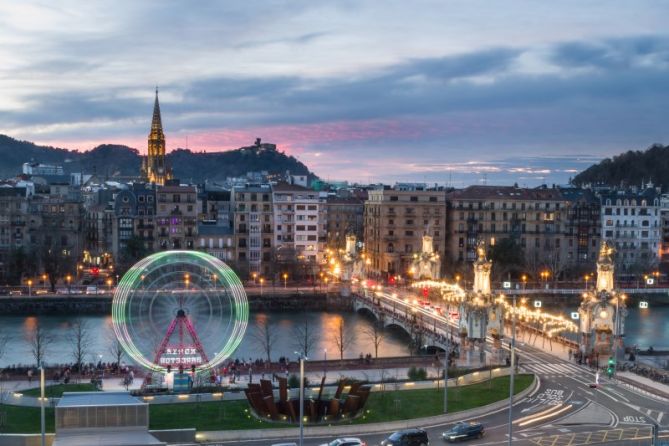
{"points": [[464, 92]]}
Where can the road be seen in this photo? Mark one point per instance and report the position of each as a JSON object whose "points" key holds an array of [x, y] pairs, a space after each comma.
{"points": [[564, 411]]}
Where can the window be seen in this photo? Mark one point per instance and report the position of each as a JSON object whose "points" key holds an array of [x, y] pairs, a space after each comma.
{"points": [[413, 198], [408, 233], [394, 198]]}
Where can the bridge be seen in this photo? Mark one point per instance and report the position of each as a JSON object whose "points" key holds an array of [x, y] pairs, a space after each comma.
{"points": [[577, 291]]}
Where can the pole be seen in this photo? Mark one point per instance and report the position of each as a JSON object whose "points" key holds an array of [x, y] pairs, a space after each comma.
{"points": [[301, 400], [511, 374], [42, 400], [448, 348]]}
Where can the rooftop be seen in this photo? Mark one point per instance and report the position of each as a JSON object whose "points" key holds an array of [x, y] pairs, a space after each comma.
{"points": [[84, 399]]}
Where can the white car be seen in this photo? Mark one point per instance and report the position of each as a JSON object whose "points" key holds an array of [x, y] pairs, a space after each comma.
{"points": [[347, 441]]}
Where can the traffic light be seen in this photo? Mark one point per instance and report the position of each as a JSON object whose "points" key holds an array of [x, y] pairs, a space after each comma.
{"points": [[611, 367]]}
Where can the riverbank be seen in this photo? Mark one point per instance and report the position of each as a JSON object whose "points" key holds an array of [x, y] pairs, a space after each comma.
{"points": [[268, 299]]}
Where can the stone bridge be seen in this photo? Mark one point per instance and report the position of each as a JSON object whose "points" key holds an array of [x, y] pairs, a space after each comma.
{"points": [[433, 336]]}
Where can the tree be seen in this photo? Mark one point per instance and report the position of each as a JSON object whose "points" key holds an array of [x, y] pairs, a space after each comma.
{"points": [[5, 339], [342, 338], [115, 348], [507, 256], [19, 265], [80, 341], [39, 341], [55, 263], [133, 251], [376, 335], [265, 337], [304, 337]]}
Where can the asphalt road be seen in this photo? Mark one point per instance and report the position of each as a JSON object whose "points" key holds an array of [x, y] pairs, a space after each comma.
{"points": [[564, 411]]}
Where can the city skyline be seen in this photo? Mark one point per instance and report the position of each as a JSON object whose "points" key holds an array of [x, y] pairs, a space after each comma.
{"points": [[524, 93]]}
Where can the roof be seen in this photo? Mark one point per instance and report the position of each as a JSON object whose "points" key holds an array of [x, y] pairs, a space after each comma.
{"points": [[285, 187], [509, 192], [85, 399]]}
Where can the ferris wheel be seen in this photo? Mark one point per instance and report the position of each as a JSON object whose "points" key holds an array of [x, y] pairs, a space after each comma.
{"points": [[179, 310]]}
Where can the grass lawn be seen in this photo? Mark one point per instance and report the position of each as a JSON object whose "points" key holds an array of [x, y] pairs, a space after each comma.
{"points": [[56, 391], [227, 415], [406, 404], [24, 420]]}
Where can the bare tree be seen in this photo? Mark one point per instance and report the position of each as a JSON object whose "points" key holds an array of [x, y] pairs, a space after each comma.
{"points": [[114, 347], [342, 339], [39, 341], [304, 337], [376, 335], [4, 341], [265, 337], [79, 339]]}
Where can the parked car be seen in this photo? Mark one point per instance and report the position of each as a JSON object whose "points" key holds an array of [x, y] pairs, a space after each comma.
{"points": [[347, 441], [16, 293], [463, 431], [407, 437], [41, 291]]}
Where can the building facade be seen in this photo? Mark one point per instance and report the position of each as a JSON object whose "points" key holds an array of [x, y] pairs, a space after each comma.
{"points": [[253, 229], [394, 224], [176, 216], [344, 216], [631, 221]]}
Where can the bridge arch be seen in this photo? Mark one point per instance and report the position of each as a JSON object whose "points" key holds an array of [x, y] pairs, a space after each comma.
{"points": [[367, 312]]}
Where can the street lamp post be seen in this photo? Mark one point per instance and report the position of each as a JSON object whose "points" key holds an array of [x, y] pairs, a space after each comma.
{"points": [[68, 278], [42, 402], [30, 285], [325, 362], [262, 281], [302, 359], [511, 372], [448, 350], [285, 280]]}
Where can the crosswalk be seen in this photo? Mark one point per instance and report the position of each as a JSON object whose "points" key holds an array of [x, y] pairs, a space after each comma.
{"points": [[554, 369]]}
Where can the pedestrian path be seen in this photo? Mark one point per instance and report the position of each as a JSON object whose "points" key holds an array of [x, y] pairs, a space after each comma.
{"points": [[554, 369]]}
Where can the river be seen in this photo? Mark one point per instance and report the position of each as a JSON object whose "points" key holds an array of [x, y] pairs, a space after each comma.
{"points": [[644, 327]]}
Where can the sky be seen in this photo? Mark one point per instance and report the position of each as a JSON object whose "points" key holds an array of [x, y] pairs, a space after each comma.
{"points": [[449, 92]]}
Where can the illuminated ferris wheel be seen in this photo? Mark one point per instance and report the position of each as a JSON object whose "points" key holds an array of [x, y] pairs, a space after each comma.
{"points": [[179, 310]]}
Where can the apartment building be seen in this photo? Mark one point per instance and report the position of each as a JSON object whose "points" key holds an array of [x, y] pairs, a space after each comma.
{"points": [[631, 221], [344, 216], [253, 229], [395, 221], [176, 216], [299, 223]]}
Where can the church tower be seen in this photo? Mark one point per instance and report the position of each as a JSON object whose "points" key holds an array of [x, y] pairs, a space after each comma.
{"points": [[154, 167]]}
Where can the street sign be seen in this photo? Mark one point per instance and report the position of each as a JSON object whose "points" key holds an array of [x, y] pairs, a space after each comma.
{"points": [[643, 304], [537, 304], [506, 285], [575, 315]]}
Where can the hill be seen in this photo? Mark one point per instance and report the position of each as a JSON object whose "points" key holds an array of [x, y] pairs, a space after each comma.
{"points": [[630, 168], [118, 161]]}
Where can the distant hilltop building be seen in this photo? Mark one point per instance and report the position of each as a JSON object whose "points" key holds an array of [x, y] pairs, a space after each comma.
{"points": [[35, 168], [154, 167]]}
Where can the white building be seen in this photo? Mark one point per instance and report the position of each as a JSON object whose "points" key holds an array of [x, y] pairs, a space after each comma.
{"points": [[631, 223], [300, 221]]}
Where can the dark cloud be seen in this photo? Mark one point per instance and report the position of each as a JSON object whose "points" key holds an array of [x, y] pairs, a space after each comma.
{"points": [[610, 54]]}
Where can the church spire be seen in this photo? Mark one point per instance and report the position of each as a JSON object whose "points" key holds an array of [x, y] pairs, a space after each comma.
{"points": [[156, 123]]}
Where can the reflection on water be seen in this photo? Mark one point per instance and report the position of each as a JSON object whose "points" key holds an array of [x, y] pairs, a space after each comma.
{"points": [[283, 325], [644, 328]]}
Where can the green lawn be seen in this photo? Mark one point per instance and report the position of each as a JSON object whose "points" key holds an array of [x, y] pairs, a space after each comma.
{"points": [[24, 420], [406, 404], [56, 391], [382, 406]]}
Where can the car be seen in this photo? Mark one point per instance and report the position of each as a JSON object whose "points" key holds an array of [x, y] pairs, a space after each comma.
{"points": [[16, 293], [41, 291], [463, 431], [407, 437], [347, 441]]}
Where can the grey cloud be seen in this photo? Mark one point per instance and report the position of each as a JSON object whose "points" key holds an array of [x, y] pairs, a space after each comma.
{"points": [[610, 54]]}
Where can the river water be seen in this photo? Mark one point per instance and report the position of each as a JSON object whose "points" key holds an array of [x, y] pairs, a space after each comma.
{"points": [[645, 327]]}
